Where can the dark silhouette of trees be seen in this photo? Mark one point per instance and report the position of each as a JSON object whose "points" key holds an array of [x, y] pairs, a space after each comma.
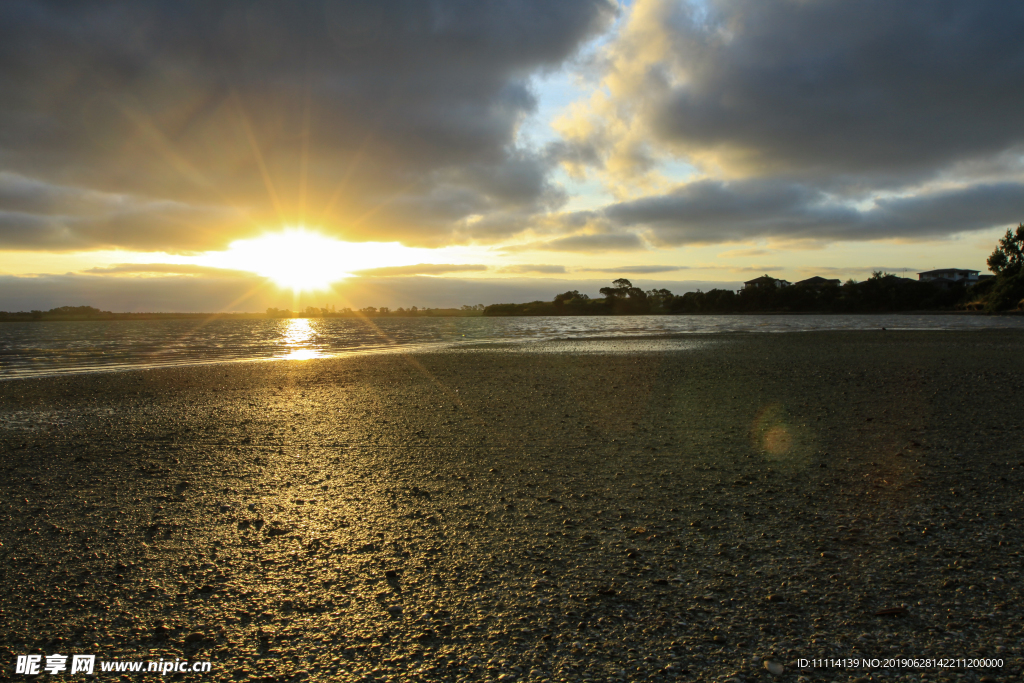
{"points": [[570, 297], [882, 292], [622, 298], [659, 300], [1008, 257], [619, 289], [1006, 290], [83, 311]]}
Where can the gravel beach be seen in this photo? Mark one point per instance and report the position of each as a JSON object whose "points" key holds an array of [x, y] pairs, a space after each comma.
{"points": [[598, 512]]}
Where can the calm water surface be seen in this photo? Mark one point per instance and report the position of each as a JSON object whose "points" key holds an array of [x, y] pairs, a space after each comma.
{"points": [[46, 348]]}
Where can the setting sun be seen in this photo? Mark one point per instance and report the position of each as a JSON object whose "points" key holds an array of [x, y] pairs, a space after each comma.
{"points": [[295, 258], [304, 260]]}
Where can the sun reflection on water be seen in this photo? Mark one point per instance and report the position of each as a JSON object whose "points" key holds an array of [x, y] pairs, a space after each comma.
{"points": [[298, 336]]}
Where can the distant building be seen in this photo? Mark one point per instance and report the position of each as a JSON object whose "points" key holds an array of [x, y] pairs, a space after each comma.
{"points": [[946, 277], [764, 281], [817, 282], [953, 274]]}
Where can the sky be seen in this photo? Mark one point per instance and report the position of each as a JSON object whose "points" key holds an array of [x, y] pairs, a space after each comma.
{"points": [[188, 155]]}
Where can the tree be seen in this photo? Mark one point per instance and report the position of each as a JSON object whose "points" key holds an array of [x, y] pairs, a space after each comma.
{"points": [[619, 290], [1007, 262], [1008, 257], [568, 296], [660, 298], [75, 310]]}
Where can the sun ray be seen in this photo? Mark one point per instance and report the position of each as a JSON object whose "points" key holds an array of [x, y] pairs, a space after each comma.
{"points": [[336, 195], [304, 161], [244, 119], [160, 142]]}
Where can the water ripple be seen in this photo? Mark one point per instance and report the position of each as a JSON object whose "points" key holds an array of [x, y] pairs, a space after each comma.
{"points": [[45, 348]]}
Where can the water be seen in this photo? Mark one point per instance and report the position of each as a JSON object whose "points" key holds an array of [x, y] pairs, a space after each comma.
{"points": [[48, 348]]}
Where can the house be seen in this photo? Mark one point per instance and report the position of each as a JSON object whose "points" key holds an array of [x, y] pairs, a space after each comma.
{"points": [[817, 282], [951, 274], [944, 278], [764, 281]]}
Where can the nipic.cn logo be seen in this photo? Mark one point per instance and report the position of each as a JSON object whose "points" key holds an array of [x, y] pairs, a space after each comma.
{"points": [[33, 665]]}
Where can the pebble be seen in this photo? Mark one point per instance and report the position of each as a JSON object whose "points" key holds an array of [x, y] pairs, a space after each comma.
{"points": [[692, 602]]}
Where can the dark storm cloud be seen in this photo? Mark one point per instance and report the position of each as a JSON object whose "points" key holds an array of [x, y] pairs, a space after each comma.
{"points": [[382, 119], [855, 87], [715, 211]]}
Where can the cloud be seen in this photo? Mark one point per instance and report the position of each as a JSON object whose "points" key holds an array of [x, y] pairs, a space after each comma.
{"points": [[202, 293], [524, 268], [585, 243], [168, 269], [373, 120], [869, 89], [40, 215], [744, 253], [634, 269], [420, 269], [712, 211], [757, 269]]}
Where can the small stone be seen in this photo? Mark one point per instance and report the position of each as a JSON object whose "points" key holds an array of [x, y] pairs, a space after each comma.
{"points": [[395, 610], [774, 668], [194, 637]]}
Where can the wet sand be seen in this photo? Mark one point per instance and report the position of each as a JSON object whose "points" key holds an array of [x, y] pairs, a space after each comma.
{"points": [[502, 515]]}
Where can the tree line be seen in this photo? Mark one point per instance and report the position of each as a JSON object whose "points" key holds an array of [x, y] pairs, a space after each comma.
{"points": [[879, 293]]}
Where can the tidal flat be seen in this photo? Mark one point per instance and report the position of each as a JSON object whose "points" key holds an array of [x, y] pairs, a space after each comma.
{"points": [[495, 514]]}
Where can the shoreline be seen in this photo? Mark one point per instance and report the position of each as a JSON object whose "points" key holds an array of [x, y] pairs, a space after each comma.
{"points": [[466, 515], [209, 317], [117, 357]]}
